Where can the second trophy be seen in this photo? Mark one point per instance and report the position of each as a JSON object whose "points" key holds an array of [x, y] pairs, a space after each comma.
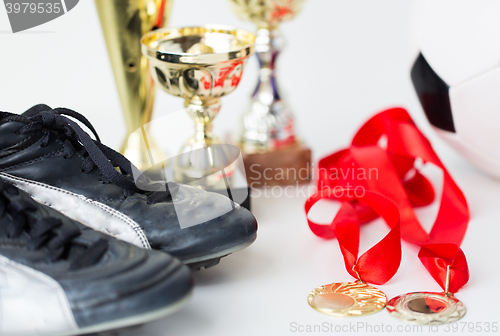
{"points": [[273, 153], [200, 64]]}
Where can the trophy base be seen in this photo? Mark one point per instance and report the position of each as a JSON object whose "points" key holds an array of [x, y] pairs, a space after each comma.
{"points": [[282, 167]]}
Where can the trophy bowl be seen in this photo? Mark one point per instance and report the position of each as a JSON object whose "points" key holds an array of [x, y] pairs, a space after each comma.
{"points": [[199, 64], [267, 14]]}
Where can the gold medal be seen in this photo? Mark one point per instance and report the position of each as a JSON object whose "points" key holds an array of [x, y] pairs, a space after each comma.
{"points": [[427, 307], [347, 299]]}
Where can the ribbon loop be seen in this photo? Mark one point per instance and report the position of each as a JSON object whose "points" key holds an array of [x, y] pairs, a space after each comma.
{"points": [[437, 257], [377, 265]]}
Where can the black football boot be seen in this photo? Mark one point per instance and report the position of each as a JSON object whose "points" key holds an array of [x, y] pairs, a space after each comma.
{"points": [[49, 156], [59, 277]]}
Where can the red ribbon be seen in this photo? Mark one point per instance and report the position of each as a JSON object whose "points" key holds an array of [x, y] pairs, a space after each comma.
{"points": [[398, 180], [377, 265], [437, 257]]}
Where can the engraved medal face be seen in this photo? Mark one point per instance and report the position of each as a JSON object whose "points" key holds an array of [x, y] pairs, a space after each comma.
{"points": [[347, 299], [426, 308]]}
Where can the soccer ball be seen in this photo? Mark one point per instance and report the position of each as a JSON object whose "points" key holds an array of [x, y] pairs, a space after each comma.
{"points": [[456, 74]]}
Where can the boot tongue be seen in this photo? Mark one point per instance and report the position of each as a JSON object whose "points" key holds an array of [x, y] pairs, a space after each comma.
{"points": [[33, 111]]}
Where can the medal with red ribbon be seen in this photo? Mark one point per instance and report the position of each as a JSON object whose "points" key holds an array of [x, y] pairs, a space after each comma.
{"points": [[377, 265], [400, 181]]}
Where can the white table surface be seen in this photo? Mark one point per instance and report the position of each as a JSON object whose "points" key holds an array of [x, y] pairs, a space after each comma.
{"points": [[345, 60]]}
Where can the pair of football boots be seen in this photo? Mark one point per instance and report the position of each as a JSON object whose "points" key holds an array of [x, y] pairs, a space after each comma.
{"points": [[82, 247]]}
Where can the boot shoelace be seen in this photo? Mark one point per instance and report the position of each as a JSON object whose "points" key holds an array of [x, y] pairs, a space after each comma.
{"points": [[47, 232], [94, 152]]}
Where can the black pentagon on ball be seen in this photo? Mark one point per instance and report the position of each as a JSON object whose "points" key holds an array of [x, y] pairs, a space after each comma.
{"points": [[433, 94]]}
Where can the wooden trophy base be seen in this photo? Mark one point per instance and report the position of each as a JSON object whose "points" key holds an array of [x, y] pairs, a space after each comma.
{"points": [[278, 168]]}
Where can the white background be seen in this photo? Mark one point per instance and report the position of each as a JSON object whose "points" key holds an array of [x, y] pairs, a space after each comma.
{"points": [[345, 60]]}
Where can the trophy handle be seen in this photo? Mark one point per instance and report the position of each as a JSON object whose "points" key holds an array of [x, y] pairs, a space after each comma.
{"points": [[123, 23]]}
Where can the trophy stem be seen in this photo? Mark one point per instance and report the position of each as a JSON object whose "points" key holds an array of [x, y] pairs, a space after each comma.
{"points": [[268, 45], [199, 157], [203, 112], [268, 126]]}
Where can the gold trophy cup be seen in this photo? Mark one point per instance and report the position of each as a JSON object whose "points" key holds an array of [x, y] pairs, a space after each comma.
{"points": [[268, 140], [200, 64], [123, 23]]}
